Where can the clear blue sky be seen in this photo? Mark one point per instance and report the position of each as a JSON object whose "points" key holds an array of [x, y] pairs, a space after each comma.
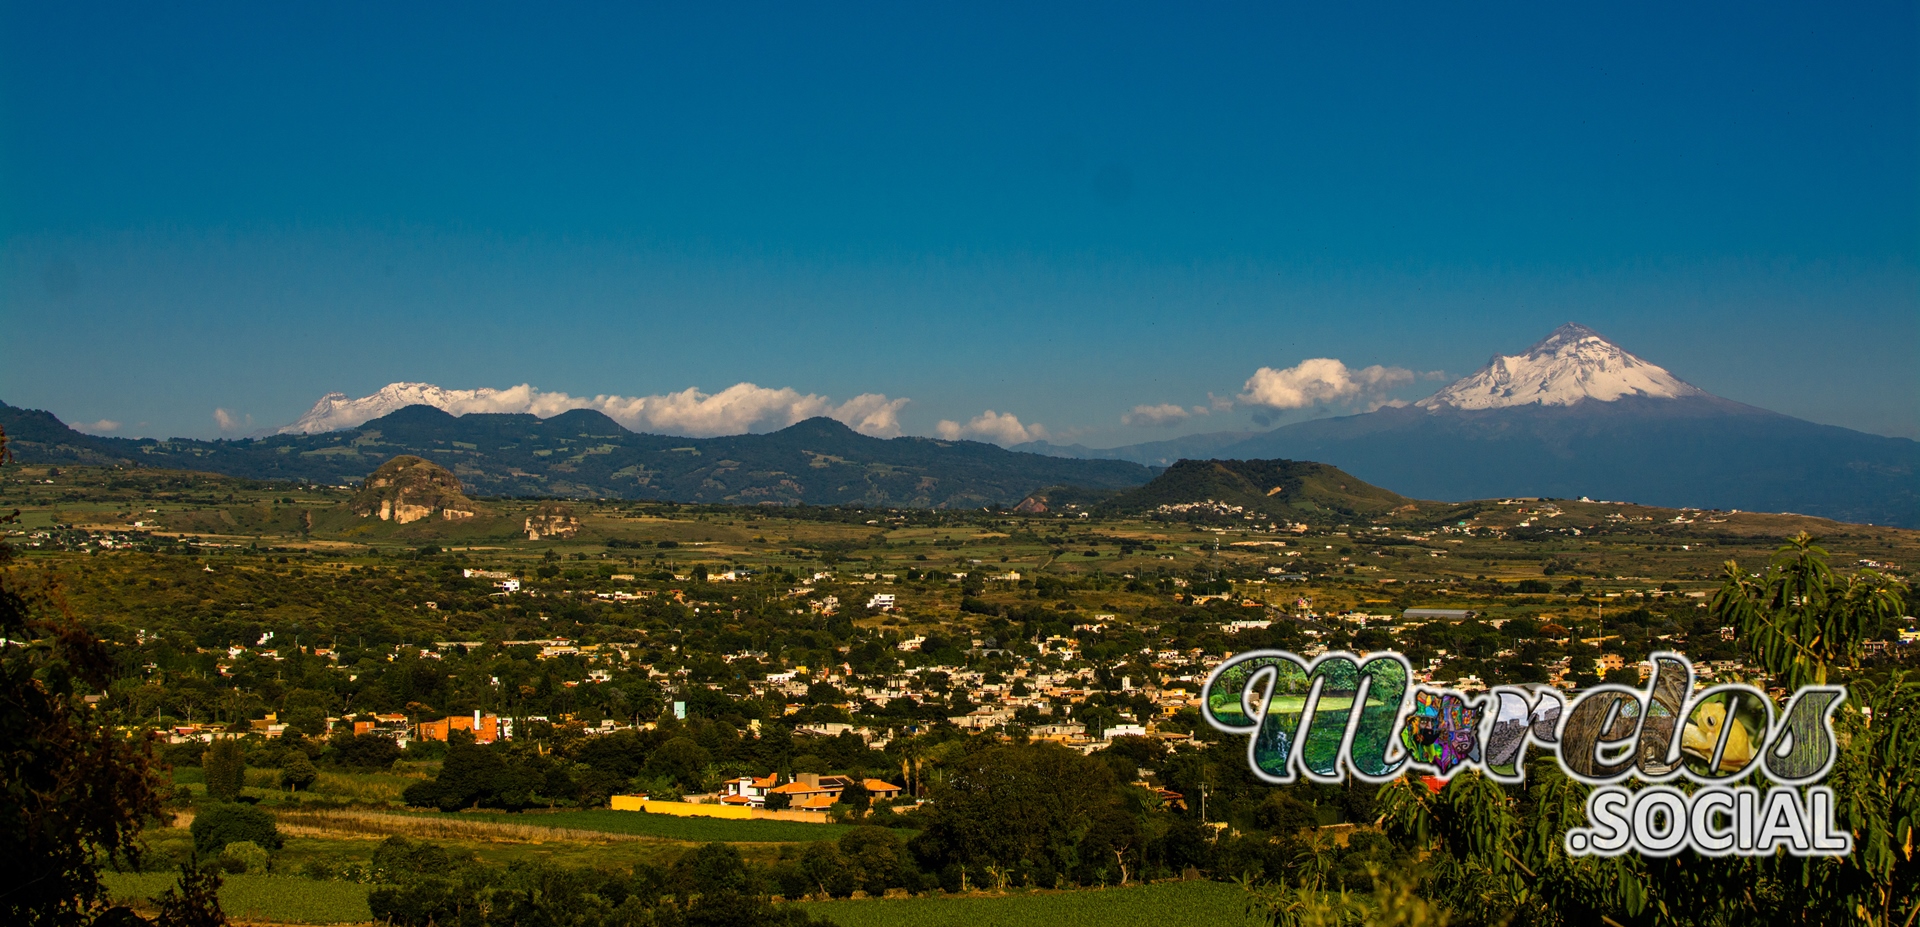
{"points": [[1060, 213]]}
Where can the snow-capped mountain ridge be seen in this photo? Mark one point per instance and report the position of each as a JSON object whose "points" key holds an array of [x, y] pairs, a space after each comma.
{"points": [[1573, 364], [338, 411], [738, 409]]}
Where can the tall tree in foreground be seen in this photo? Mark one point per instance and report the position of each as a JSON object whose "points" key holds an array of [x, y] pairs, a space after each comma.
{"points": [[1496, 852], [1807, 626], [1798, 619], [73, 792]]}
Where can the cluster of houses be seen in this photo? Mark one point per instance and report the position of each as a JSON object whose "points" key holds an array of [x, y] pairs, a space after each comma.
{"points": [[485, 727], [804, 792]]}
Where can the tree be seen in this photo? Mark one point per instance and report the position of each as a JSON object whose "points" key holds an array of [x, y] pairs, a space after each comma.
{"points": [[683, 760], [225, 768], [1007, 804], [73, 793], [1496, 849], [297, 772], [476, 776], [877, 859], [1804, 624], [1799, 619], [213, 828], [855, 796], [826, 869], [363, 751]]}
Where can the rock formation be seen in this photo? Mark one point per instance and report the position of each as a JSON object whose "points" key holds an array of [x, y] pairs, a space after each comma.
{"points": [[552, 520], [407, 489]]}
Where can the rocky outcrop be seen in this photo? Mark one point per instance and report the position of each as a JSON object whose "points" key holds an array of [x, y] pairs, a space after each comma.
{"points": [[407, 489], [552, 520]]}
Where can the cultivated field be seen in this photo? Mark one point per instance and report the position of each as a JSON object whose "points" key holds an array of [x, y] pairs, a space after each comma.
{"points": [[1167, 904], [276, 899]]}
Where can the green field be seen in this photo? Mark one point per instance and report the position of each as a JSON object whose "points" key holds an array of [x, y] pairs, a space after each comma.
{"points": [[294, 900], [691, 829], [277, 898], [1168, 904]]}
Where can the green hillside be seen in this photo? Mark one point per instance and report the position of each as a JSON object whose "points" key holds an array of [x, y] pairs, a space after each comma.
{"points": [[1274, 490]]}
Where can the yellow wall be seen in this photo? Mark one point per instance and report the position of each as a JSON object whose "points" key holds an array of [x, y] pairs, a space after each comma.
{"points": [[809, 817], [733, 812], [680, 808]]}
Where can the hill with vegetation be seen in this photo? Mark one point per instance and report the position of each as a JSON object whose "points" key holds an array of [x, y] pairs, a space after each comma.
{"points": [[1276, 490], [407, 489], [586, 455]]}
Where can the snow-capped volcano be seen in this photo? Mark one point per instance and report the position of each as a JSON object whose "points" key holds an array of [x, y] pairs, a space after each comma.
{"points": [[338, 411], [1571, 365]]}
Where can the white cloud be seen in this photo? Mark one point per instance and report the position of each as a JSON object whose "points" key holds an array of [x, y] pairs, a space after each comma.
{"points": [[739, 408], [1166, 413], [101, 427], [231, 422], [745, 406], [993, 426], [1323, 380]]}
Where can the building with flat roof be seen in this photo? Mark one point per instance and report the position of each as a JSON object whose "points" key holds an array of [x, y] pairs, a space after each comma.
{"points": [[1439, 614]]}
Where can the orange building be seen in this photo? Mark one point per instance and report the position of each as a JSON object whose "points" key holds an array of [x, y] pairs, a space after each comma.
{"points": [[485, 728]]}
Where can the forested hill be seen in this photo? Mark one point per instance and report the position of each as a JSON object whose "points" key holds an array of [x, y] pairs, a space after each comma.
{"points": [[584, 454], [1289, 490]]}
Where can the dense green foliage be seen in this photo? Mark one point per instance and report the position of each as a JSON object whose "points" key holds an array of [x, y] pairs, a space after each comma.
{"points": [[298, 772], [224, 769], [1495, 854], [709, 885], [216, 826]]}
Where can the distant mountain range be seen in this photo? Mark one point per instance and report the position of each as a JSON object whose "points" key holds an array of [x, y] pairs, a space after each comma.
{"points": [[1576, 415], [585, 454]]}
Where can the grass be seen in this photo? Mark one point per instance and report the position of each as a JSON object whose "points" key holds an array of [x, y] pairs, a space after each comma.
{"points": [[358, 787], [669, 827], [1168, 904], [540, 826], [276, 898]]}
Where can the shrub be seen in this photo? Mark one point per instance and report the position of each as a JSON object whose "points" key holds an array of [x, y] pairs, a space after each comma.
{"points": [[242, 857], [398, 859], [220, 825]]}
